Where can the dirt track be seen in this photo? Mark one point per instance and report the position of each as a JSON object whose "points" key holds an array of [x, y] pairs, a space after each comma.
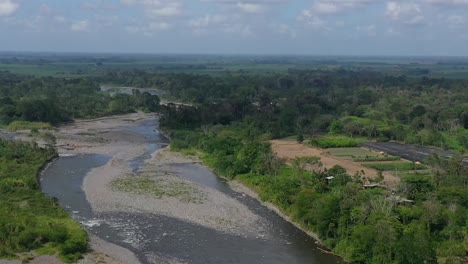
{"points": [[291, 149]]}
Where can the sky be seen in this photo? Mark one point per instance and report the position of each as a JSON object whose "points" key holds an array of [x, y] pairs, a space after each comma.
{"points": [[314, 27]]}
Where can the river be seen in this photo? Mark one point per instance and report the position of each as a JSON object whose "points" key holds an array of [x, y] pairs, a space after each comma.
{"points": [[155, 238]]}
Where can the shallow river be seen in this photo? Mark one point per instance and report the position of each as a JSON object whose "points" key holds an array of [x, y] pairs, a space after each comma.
{"points": [[150, 235]]}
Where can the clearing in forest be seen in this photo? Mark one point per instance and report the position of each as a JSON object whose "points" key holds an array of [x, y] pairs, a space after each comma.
{"points": [[291, 149]]}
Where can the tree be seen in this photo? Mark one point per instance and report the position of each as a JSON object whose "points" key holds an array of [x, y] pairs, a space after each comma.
{"points": [[336, 127]]}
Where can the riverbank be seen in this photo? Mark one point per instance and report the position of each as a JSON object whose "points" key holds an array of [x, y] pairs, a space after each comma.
{"points": [[111, 189]]}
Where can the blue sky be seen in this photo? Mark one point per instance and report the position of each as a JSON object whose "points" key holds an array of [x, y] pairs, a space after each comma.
{"points": [[318, 27]]}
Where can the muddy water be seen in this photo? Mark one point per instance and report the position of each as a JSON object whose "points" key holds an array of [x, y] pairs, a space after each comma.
{"points": [[152, 236]]}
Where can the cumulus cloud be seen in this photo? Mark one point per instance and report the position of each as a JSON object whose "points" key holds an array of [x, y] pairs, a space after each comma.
{"points": [[8, 7], [158, 8], [405, 12]]}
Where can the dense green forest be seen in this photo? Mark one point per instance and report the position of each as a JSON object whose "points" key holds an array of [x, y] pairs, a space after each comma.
{"points": [[55, 100], [29, 219], [358, 104]]}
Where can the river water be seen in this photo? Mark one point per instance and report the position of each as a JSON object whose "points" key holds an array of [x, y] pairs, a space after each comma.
{"points": [[152, 236]]}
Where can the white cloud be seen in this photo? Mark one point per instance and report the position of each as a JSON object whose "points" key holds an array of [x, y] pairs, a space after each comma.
{"points": [[325, 8], [149, 29], [169, 10], [157, 8], [406, 12], [251, 8], [82, 25], [128, 2], [313, 21], [8, 7], [331, 7]]}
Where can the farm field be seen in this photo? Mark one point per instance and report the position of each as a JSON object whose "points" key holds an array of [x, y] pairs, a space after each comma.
{"points": [[289, 150], [360, 154], [398, 166]]}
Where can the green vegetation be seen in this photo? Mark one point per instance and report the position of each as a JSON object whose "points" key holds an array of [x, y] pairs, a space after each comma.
{"points": [[360, 155], [35, 101], [230, 124], [352, 152], [361, 225], [334, 142], [28, 219], [159, 188], [374, 158], [395, 166], [25, 125]]}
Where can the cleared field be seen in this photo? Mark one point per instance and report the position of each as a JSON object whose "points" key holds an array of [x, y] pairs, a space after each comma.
{"points": [[360, 155]]}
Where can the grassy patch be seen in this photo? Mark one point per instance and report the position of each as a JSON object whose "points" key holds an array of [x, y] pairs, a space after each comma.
{"points": [[334, 142], [395, 166], [25, 125], [361, 155], [159, 188]]}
